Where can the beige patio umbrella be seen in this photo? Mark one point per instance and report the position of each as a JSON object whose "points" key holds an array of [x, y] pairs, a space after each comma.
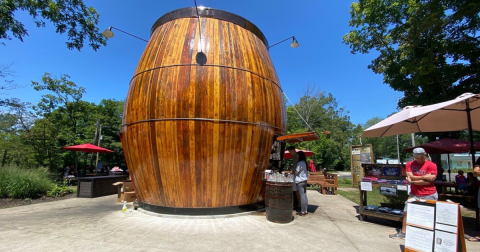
{"points": [[453, 115], [461, 113]]}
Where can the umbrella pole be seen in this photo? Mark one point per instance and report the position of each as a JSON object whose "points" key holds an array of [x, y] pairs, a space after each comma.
{"points": [[75, 155], [472, 153], [448, 165]]}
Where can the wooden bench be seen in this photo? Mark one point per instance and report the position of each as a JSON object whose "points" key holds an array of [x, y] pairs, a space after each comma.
{"points": [[316, 178], [331, 183]]}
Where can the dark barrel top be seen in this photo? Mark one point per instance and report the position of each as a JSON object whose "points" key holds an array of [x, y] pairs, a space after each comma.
{"points": [[210, 13]]}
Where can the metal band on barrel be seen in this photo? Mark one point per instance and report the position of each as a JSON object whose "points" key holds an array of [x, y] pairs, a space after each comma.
{"points": [[191, 12], [209, 65], [202, 119]]}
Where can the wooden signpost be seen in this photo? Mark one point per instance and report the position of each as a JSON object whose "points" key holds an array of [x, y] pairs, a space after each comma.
{"points": [[434, 226]]}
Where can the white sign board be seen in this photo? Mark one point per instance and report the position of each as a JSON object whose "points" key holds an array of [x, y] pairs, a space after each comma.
{"points": [[421, 215], [419, 239], [447, 214], [445, 242], [366, 186]]}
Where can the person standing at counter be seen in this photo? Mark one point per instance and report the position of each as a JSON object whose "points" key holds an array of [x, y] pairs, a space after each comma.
{"points": [[301, 176], [293, 152], [421, 174]]}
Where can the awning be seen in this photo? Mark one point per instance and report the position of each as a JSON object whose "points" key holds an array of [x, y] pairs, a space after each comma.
{"points": [[298, 137]]}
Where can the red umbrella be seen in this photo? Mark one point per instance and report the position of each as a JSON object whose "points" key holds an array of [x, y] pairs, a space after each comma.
{"points": [[307, 153], [86, 148], [446, 145]]}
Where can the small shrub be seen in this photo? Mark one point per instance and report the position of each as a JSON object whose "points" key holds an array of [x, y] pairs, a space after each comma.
{"points": [[60, 190], [22, 183]]}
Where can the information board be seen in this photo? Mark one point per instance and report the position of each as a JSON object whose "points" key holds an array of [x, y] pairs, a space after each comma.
{"points": [[360, 154], [434, 226]]}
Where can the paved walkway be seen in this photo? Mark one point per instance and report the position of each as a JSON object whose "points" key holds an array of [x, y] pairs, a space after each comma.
{"points": [[98, 224]]}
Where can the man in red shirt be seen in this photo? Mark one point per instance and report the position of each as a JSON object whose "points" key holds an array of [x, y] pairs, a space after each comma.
{"points": [[421, 174]]}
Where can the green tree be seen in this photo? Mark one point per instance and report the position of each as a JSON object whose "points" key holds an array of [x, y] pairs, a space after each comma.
{"points": [[321, 113], [65, 120], [66, 98], [110, 114], [68, 16], [7, 135], [32, 136], [428, 49], [6, 83], [16, 124]]}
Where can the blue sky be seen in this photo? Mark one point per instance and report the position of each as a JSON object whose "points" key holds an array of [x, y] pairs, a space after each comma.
{"points": [[321, 59]]}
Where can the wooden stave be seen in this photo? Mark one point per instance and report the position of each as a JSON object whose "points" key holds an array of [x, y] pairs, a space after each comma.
{"points": [[263, 128]]}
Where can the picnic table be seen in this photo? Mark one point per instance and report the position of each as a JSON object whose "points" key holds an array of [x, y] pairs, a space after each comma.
{"points": [[444, 190]]}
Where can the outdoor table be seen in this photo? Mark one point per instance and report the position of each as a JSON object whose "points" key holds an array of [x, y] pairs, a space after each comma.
{"points": [[91, 187], [442, 187]]}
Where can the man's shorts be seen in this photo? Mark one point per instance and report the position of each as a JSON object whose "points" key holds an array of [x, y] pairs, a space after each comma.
{"points": [[427, 197]]}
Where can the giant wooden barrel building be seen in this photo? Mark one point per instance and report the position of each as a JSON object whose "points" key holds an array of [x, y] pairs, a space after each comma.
{"points": [[201, 114]]}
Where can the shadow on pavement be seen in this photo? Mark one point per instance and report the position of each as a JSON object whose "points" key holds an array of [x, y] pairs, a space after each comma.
{"points": [[312, 208]]}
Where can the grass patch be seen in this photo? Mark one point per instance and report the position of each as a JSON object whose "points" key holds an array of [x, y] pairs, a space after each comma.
{"points": [[345, 183], [353, 196], [374, 197], [22, 183]]}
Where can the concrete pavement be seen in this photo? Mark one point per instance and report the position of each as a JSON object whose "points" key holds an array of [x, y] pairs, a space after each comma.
{"points": [[81, 224]]}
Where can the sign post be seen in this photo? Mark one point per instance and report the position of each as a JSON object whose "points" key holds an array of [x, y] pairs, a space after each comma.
{"points": [[359, 154]]}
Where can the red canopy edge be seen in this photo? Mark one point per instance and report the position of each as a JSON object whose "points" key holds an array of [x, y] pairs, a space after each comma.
{"points": [[446, 145], [86, 148], [298, 137]]}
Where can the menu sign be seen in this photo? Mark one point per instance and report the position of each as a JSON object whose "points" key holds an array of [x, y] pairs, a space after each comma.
{"points": [[366, 186], [419, 239], [434, 227], [421, 215]]}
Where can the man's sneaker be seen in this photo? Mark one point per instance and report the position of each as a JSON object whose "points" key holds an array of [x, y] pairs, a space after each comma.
{"points": [[398, 235]]}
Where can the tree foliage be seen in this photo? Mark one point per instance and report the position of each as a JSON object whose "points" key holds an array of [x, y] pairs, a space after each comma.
{"points": [[6, 82], [321, 113], [68, 16], [32, 136], [428, 49]]}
